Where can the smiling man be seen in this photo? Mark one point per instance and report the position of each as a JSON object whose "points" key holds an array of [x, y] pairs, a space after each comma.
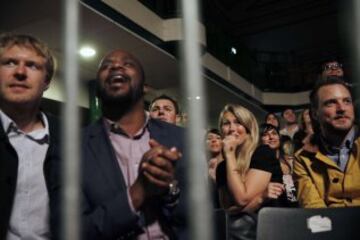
{"points": [[327, 172], [132, 164], [29, 155]]}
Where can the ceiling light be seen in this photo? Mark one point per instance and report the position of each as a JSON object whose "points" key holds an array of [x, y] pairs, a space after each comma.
{"points": [[87, 52], [233, 50]]}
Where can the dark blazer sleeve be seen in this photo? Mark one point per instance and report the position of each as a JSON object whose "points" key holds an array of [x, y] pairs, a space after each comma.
{"points": [[8, 176], [106, 213], [170, 135]]}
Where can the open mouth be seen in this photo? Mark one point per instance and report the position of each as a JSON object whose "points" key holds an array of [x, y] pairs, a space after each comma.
{"points": [[117, 79]]}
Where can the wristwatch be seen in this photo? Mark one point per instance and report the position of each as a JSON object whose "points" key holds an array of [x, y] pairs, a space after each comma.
{"points": [[173, 188], [171, 199]]}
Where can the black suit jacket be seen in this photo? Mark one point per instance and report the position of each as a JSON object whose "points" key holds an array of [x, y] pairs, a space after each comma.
{"points": [[8, 178], [106, 211]]}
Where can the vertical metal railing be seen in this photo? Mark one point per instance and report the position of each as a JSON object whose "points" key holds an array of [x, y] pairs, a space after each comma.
{"points": [[200, 221], [70, 143]]}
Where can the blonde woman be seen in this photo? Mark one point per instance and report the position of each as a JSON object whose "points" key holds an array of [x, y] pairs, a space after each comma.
{"points": [[246, 170]]}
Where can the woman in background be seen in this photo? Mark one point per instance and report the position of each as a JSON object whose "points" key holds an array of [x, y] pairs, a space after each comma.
{"points": [[303, 136], [285, 154], [272, 119], [246, 170], [214, 156], [214, 151]]}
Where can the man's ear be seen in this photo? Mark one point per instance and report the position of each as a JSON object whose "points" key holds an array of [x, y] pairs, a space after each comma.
{"points": [[47, 84]]}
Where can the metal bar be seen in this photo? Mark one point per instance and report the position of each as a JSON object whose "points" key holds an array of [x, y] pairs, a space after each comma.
{"points": [[70, 143], [199, 204]]}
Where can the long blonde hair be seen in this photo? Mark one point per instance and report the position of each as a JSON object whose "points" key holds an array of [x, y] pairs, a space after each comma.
{"points": [[248, 120]]}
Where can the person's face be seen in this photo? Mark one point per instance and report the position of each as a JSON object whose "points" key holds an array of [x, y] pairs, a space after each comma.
{"points": [[335, 112], [271, 119], [333, 69], [164, 110], [22, 76], [289, 116], [306, 116], [231, 126], [271, 138], [214, 143], [120, 78]]}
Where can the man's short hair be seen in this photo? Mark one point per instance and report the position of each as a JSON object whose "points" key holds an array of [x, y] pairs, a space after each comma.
{"points": [[314, 101], [266, 127], [282, 113], [213, 131], [329, 60], [331, 80], [166, 97], [8, 40]]}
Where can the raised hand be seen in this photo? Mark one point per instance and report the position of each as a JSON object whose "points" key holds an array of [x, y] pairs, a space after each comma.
{"points": [[156, 172], [232, 142]]}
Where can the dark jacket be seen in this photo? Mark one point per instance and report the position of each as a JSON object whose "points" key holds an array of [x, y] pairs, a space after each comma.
{"points": [[8, 178], [105, 210]]}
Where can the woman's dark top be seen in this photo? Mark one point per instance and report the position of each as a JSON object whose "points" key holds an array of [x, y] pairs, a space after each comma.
{"points": [[264, 158]]}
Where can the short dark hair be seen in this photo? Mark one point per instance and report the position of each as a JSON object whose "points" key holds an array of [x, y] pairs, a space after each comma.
{"points": [[329, 60], [314, 100], [166, 97], [266, 127], [274, 114], [331, 80], [214, 131], [282, 113]]}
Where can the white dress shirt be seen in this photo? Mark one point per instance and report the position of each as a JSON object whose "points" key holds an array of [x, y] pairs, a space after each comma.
{"points": [[30, 212]]}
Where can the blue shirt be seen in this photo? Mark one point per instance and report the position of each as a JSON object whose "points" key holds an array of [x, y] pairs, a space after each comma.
{"points": [[340, 155]]}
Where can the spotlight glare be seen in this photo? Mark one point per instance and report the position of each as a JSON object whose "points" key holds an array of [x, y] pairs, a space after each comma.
{"points": [[233, 51], [87, 52]]}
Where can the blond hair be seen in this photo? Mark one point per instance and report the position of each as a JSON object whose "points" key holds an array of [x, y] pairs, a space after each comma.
{"points": [[248, 120], [9, 40]]}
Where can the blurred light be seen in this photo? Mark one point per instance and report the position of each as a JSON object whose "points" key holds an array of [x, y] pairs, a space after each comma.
{"points": [[233, 50], [197, 97], [87, 52]]}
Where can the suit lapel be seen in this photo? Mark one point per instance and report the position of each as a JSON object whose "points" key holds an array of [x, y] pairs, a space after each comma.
{"points": [[156, 132], [99, 144]]}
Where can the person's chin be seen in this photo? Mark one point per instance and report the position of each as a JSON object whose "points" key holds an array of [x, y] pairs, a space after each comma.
{"points": [[343, 126]]}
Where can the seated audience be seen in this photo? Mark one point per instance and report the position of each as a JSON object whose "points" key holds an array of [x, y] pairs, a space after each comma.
{"points": [[133, 166], [272, 119], [246, 170], [305, 132], [164, 108], [30, 159], [288, 154], [327, 170], [291, 126], [330, 68], [284, 153], [214, 155], [214, 151]]}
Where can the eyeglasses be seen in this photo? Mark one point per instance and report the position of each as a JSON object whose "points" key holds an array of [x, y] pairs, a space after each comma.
{"points": [[332, 66]]}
